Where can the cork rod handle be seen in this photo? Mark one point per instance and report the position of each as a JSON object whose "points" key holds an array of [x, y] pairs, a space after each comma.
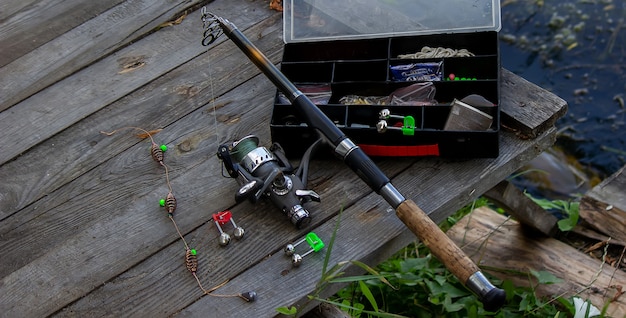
{"points": [[444, 249]]}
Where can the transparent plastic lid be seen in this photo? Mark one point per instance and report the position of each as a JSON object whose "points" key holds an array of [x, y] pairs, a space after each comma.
{"points": [[322, 20]]}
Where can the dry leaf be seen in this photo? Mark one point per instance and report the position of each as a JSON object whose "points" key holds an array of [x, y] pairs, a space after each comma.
{"points": [[176, 21], [596, 246], [149, 133], [276, 5]]}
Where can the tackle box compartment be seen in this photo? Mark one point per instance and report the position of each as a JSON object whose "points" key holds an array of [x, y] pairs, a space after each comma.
{"points": [[351, 74]]}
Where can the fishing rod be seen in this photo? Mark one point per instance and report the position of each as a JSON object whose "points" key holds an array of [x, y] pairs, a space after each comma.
{"points": [[409, 213]]}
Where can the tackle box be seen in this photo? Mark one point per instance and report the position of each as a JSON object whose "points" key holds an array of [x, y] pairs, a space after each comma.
{"points": [[399, 78]]}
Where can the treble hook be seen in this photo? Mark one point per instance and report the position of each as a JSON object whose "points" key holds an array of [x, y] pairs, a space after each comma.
{"points": [[212, 28]]}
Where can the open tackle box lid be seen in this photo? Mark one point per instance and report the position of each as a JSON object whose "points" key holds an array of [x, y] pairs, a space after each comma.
{"points": [[352, 56], [323, 20]]}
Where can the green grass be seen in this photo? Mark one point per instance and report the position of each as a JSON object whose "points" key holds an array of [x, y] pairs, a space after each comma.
{"points": [[413, 283]]}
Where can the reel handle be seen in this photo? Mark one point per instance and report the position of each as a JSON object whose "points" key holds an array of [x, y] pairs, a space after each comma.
{"points": [[444, 249]]}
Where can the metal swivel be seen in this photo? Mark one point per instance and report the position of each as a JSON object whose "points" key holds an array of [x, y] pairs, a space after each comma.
{"points": [[222, 218], [314, 242], [407, 124], [386, 114]]}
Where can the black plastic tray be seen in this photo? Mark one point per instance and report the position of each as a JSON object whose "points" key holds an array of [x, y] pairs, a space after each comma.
{"points": [[362, 67]]}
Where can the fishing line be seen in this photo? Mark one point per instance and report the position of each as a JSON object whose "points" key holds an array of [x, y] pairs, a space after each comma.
{"points": [[170, 204], [210, 70], [242, 148]]}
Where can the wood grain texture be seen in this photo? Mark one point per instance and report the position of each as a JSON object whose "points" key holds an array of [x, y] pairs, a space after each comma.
{"points": [[529, 114], [131, 180], [492, 240], [72, 99], [24, 25], [265, 226], [64, 53], [604, 207], [515, 202], [155, 105]]}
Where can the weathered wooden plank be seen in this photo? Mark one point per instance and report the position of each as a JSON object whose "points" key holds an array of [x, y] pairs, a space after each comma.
{"points": [[127, 178], [165, 295], [66, 102], [88, 216], [10, 7], [522, 208], [88, 305], [494, 241], [604, 206], [20, 191], [157, 105], [25, 25], [80, 46], [39, 172], [277, 285], [529, 115], [114, 220], [126, 229]]}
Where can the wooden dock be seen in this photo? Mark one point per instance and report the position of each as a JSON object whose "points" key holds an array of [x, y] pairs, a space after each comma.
{"points": [[81, 230], [592, 271]]}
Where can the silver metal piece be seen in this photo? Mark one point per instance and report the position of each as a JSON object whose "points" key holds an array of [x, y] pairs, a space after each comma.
{"points": [[289, 249], [386, 114], [224, 238], [256, 158], [282, 184], [211, 26], [238, 232], [296, 260], [344, 148], [297, 94], [392, 195], [310, 194], [297, 213], [247, 187], [479, 284], [381, 126]]}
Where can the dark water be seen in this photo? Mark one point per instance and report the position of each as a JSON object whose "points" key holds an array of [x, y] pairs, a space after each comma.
{"points": [[576, 49]]}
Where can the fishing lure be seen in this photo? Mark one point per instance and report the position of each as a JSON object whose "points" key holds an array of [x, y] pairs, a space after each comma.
{"points": [[169, 203], [191, 260]]}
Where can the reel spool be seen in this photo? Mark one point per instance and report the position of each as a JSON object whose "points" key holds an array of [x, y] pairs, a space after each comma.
{"points": [[263, 172]]}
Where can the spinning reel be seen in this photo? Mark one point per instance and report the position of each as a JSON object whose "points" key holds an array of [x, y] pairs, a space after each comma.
{"points": [[263, 172]]}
